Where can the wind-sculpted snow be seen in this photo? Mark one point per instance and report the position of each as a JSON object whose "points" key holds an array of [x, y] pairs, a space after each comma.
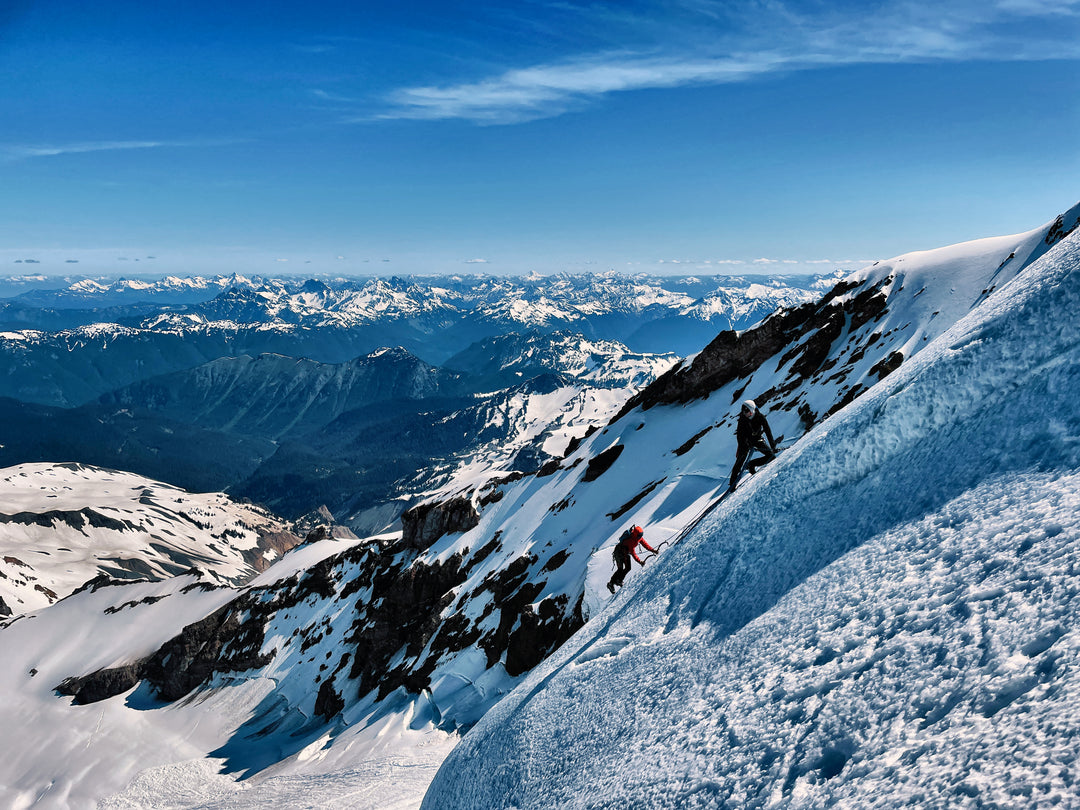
{"points": [[882, 618]]}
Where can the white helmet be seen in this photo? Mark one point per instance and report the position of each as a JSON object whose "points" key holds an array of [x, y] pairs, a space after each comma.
{"points": [[749, 405]]}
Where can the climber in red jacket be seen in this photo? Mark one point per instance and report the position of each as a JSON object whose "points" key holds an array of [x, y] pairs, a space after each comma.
{"points": [[624, 550]]}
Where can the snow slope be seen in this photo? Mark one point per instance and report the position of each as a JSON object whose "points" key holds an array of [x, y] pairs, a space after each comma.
{"points": [[884, 617], [61, 525]]}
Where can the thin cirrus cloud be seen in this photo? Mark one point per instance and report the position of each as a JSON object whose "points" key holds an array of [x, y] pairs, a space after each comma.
{"points": [[14, 152], [548, 90], [779, 38]]}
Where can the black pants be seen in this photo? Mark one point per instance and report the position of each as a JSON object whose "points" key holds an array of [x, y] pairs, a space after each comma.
{"points": [[740, 459], [622, 565]]}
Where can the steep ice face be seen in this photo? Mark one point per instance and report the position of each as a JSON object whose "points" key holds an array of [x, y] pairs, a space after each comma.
{"points": [[881, 615]]}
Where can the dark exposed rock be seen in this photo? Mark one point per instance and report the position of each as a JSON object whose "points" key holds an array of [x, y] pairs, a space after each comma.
{"points": [[102, 684], [328, 702], [600, 464], [549, 468], [524, 635], [100, 581], [540, 632], [686, 446], [1059, 230], [556, 561], [575, 442], [558, 506], [888, 365], [425, 523], [228, 640], [849, 396], [320, 518], [404, 611], [76, 519], [731, 355], [317, 534], [492, 491], [4, 609], [494, 496], [486, 550], [813, 353], [146, 600], [319, 579], [48, 592], [507, 580], [277, 542], [201, 586]]}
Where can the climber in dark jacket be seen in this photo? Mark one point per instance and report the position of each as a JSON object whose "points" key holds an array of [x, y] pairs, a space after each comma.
{"points": [[752, 432], [624, 550]]}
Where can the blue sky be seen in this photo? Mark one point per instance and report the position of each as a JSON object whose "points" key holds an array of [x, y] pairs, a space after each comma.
{"points": [[678, 136]]}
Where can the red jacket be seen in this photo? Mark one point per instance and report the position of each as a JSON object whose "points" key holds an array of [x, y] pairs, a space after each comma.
{"points": [[630, 543]]}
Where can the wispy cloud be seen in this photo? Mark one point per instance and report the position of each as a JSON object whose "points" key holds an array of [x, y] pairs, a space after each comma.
{"points": [[314, 49], [325, 95], [14, 152], [722, 43], [546, 90]]}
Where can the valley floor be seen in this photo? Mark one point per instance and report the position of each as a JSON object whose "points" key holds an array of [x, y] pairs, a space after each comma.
{"points": [[396, 780]]}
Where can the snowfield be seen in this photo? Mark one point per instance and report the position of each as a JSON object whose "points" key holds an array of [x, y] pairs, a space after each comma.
{"points": [[883, 617], [61, 525]]}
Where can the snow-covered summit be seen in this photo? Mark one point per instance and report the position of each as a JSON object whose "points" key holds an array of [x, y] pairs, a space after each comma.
{"points": [[68, 356], [62, 525]]}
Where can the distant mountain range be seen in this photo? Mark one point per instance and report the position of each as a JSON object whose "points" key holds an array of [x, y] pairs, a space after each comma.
{"points": [[284, 390], [69, 346], [361, 437]]}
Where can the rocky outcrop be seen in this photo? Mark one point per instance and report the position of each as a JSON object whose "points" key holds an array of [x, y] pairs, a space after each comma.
{"points": [[887, 366], [76, 519], [270, 548], [228, 640], [805, 334], [601, 463], [422, 525], [404, 614]]}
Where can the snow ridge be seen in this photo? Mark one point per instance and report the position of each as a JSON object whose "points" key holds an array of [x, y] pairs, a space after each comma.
{"points": [[879, 619]]}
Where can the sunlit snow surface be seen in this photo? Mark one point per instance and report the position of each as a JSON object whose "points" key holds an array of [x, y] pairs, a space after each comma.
{"points": [[63, 524], [885, 617]]}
